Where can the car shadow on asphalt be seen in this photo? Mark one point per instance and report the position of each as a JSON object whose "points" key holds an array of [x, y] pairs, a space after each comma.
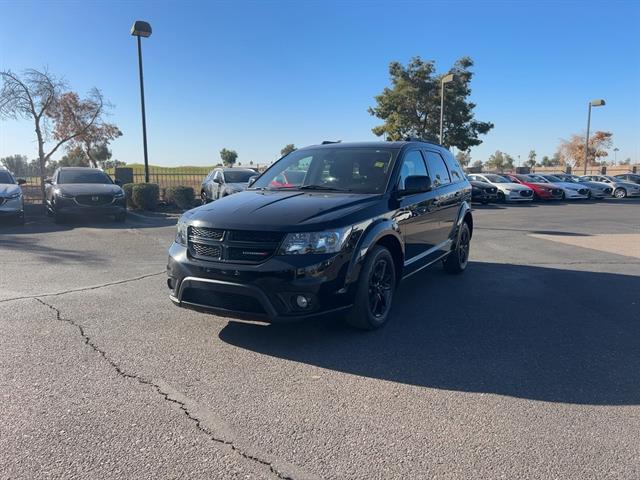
{"points": [[44, 224], [528, 332]]}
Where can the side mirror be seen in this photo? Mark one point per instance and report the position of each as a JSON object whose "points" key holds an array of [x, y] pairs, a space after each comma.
{"points": [[217, 180], [48, 180], [118, 182], [252, 180], [21, 181], [415, 184]]}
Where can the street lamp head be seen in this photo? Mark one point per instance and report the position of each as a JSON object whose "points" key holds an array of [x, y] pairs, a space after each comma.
{"points": [[141, 29], [448, 78], [597, 103]]}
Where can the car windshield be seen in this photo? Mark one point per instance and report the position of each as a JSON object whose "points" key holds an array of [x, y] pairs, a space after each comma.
{"points": [[359, 170], [497, 179], [569, 179], [83, 176], [537, 179], [239, 176], [5, 177], [551, 178]]}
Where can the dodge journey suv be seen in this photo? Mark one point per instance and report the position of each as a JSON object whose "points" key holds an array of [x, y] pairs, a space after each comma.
{"points": [[352, 220]]}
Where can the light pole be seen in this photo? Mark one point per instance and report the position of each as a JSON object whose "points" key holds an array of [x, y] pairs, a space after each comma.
{"points": [[446, 79], [142, 29], [592, 103], [615, 155]]}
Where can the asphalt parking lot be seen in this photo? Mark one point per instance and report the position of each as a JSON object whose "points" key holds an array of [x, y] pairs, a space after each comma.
{"points": [[527, 366]]}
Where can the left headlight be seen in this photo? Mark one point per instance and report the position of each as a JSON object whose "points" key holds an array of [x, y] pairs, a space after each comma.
{"points": [[181, 234], [14, 195], [329, 241]]}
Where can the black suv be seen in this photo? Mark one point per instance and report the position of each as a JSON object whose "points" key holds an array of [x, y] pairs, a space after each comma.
{"points": [[338, 240]]}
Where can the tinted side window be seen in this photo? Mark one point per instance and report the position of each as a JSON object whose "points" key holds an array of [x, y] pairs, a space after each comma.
{"points": [[454, 168], [412, 164], [438, 169]]}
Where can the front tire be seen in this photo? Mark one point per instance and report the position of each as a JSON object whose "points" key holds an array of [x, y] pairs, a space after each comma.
{"points": [[620, 193], [375, 290], [458, 259]]}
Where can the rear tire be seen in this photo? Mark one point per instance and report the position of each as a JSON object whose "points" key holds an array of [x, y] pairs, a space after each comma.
{"points": [[375, 290], [458, 259]]}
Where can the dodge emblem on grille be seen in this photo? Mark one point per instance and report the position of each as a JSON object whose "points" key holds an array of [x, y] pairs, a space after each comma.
{"points": [[95, 199]]}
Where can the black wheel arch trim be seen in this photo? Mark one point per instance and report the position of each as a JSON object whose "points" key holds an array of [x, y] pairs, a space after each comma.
{"points": [[371, 236]]}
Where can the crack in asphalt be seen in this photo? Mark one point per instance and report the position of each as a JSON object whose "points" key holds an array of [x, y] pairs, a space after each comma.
{"points": [[166, 395], [83, 289]]}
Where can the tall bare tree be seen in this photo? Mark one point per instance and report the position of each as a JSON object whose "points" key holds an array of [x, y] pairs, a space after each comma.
{"points": [[36, 96], [72, 117]]}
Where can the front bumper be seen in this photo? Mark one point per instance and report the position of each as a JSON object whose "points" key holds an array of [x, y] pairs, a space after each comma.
{"points": [[68, 206], [266, 291], [484, 197], [574, 195], [516, 196], [13, 207]]}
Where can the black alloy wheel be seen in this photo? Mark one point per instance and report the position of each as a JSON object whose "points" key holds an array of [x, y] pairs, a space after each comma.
{"points": [[458, 259], [375, 289]]}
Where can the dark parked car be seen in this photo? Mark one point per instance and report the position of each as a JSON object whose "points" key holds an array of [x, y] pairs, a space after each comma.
{"points": [[224, 181], [84, 191], [483, 192], [338, 241], [628, 177]]}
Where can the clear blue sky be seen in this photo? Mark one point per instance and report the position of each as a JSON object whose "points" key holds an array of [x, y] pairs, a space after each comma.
{"points": [[254, 76]]}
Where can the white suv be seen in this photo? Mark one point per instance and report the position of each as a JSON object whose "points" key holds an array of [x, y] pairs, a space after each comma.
{"points": [[11, 198]]}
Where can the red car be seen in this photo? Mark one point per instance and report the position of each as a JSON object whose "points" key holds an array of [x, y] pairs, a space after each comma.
{"points": [[541, 191]]}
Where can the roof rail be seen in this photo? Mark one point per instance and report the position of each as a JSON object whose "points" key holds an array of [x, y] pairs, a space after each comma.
{"points": [[418, 139], [328, 142]]}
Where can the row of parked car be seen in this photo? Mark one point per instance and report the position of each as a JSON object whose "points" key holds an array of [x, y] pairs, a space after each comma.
{"points": [[67, 191], [508, 187]]}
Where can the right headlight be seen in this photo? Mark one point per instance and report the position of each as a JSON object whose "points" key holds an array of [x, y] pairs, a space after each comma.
{"points": [[181, 233], [328, 241]]}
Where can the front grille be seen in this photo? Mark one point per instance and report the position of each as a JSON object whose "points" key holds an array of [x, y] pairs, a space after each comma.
{"points": [[255, 237], [491, 190], [210, 233], [202, 250], [582, 191], [94, 200], [243, 246], [227, 300], [526, 193]]}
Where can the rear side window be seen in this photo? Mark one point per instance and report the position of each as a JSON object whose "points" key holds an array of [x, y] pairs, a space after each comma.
{"points": [[438, 169], [454, 168], [412, 165]]}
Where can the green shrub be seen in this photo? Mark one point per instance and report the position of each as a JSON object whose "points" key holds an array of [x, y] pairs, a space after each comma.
{"points": [[145, 195], [181, 197], [128, 187]]}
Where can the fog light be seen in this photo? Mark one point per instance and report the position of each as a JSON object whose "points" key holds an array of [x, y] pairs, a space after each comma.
{"points": [[302, 301]]}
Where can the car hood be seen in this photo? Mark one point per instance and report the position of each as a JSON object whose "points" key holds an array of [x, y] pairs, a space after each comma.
{"points": [[598, 185], [569, 185], [285, 210], [7, 189], [511, 186], [479, 184], [88, 188]]}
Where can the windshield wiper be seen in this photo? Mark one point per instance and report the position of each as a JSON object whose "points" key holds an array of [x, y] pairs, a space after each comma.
{"points": [[323, 187]]}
